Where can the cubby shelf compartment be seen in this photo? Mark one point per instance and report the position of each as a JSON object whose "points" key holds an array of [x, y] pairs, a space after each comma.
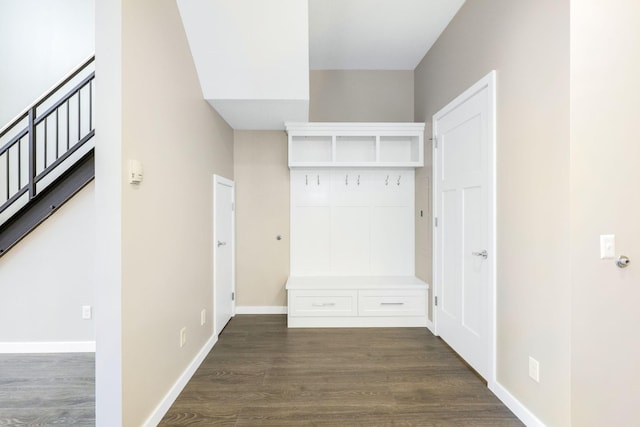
{"points": [[356, 144]]}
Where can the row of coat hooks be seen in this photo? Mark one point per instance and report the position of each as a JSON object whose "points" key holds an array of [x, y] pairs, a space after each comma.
{"points": [[346, 180]]}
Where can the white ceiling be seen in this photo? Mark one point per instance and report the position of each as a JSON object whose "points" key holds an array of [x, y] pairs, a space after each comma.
{"points": [[253, 56], [375, 34]]}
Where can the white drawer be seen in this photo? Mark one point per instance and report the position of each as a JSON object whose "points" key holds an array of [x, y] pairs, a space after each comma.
{"points": [[395, 302], [323, 303]]}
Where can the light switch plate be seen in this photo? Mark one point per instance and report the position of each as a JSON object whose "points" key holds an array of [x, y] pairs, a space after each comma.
{"points": [[607, 246]]}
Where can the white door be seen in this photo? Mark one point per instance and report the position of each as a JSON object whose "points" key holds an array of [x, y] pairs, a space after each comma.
{"points": [[464, 244], [223, 252]]}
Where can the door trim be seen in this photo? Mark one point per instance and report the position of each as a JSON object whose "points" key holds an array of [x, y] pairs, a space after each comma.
{"points": [[487, 82], [217, 179]]}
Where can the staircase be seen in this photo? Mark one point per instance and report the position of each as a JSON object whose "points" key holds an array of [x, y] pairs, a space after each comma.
{"points": [[46, 155]]}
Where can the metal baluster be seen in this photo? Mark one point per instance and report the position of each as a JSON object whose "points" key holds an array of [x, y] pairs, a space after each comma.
{"points": [[45, 145], [90, 105], [68, 131], [79, 122], [19, 164], [32, 153], [57, 132], [7, 169]]}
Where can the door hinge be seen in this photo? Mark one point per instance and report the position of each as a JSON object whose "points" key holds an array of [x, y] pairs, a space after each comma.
{"points": [[436, 301], [233, 207], [233, 296], [436, 220], [435, 141]]}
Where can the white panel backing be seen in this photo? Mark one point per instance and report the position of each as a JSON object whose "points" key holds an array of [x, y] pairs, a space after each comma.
{"points": [[352, 222]]}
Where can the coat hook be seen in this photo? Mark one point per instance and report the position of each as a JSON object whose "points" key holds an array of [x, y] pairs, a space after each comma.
{"points": [[399, 176], [358, 179], [306, 180], [386, 181], [346, 179]]}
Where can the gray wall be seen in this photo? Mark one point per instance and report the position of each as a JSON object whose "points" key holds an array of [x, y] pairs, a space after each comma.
{"points": [[527, 42], [42, 41], [262, 201], [47, 278], [605, 348], [360, 96], [262, 174], [155, 239]]}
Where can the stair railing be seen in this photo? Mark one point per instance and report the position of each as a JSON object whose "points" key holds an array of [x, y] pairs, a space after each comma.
{"points": [[46, 134]]}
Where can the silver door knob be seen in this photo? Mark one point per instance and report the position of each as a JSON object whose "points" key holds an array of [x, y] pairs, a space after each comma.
{"points": [[483, 254], [221, 243], [623, 261]]}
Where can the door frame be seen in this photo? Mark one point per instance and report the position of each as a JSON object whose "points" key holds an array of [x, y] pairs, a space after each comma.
{"points": [[217, 179], [487, 82]]}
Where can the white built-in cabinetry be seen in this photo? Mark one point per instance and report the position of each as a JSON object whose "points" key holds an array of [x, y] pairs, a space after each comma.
{"points": [[355, 145], [353, 225], [352, 222]]}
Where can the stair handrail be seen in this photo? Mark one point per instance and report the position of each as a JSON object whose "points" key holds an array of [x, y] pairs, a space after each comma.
{"points": [[28, 130], [46, 95]]}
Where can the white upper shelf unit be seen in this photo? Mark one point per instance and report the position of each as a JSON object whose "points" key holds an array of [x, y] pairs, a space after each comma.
{"points": [[355, 144]]}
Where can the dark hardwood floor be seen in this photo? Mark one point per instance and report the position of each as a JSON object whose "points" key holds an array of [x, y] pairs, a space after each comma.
{"points": [[47, 389], [261, 373]]}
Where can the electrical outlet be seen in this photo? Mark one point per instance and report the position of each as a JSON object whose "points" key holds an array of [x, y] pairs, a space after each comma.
{"points": [[86, 312], [203, 317], [183, 336], [534, 369]]}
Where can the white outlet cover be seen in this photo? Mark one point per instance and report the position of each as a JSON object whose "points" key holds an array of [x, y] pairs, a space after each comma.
{"points": [[183, 336], [86, 312], [534, 369]]}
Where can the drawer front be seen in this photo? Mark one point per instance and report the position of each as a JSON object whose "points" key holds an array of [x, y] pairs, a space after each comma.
{"points": [[323, 303], [395, 302]]}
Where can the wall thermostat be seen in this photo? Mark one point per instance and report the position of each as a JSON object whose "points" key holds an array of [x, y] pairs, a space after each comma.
{"points": [[135, 172]]}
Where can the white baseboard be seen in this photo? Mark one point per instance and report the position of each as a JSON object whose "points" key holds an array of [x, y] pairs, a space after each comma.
{"points": [[48, 347], [164, 406], [430, 326], [521, 411], [260, 309]]}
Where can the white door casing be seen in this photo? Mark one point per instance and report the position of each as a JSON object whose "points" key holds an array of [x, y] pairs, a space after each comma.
{"points": [[223, 252], [465, 242]]}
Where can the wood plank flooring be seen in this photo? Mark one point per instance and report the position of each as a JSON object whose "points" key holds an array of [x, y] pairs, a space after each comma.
{"points": [[261, 373], [47, 389]]}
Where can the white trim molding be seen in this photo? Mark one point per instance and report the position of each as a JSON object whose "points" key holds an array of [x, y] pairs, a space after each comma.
{"points": [[521, 411], [261, 309], [430, 326], [48, 347], [165, 404]]}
